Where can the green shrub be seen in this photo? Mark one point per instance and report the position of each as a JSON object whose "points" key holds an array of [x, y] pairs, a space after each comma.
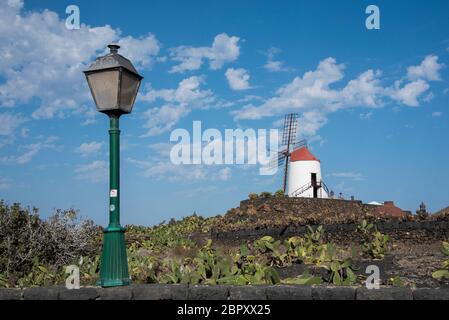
{"points": [[253, 196], [171, 235], [280, 193], [304, 279], [396, 281], [266, 195], [210, 267], [340, 271], [375, 244]]}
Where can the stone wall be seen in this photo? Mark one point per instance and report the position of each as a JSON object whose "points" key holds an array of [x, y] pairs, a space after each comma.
{"points": [[195, 292], [418, 232]]}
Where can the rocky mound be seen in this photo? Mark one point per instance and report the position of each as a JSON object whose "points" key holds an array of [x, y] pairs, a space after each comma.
{"points": [[275, 212]]}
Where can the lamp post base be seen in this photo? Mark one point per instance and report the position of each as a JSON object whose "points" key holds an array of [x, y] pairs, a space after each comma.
{"points": [[114, 263], [113, 283]]}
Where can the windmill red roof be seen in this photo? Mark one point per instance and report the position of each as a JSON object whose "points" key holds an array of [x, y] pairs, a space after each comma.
{"points": [[302, 154]]}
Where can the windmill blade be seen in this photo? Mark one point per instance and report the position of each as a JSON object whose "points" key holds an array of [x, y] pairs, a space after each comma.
{"points": [[290, 129], [276, 161], [285, 129], [300, 144], [288, 140]]}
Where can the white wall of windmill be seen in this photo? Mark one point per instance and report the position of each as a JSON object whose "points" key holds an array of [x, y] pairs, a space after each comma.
{"points": [[300, 175]]}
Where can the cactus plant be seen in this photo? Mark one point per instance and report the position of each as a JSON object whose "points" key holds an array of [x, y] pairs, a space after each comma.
{"points": [[443, 273]]}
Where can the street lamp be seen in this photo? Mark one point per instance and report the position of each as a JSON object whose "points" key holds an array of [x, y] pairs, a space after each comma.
{"points": [[114, 83]]}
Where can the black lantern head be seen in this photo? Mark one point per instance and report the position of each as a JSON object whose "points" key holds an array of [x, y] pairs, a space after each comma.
{"points": [[113, 82]]}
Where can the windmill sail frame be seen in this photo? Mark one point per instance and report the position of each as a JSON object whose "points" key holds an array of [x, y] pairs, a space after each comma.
{"points": [[288, 140], [289, 144]]}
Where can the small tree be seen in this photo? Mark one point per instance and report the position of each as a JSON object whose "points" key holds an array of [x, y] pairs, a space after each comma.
{"points": [[253, 196], [280, 193], [266, 195]]}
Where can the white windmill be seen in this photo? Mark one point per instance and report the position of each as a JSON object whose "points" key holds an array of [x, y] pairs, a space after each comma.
{"points": [[302, 174]]}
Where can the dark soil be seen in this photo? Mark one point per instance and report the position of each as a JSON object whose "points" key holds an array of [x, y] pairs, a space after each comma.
{"points": [[416, 263], [413, 264]]}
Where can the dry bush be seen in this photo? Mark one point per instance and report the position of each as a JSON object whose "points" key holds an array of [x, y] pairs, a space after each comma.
{"points": [[26, 239]]}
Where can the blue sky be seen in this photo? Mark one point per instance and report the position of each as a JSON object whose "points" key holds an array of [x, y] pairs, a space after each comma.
{"points": [[373, 104]]}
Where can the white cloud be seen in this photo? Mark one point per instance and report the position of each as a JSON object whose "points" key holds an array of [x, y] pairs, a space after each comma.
{"points": [[177, 104], [87, 149], [24, 132], [30, 151], [342, 188], [9, 123], [301, 93], [238, 79], [429, 97], [273, 65], [188, 91], [224, 174], [141, 51], [161, 168], [41, 59], [437, 114], [90, 115], [348, 175], [319, 92], [164, 169], [429, 69], [310, 94], [57, 108], [96, 171], [163, 119], [366, 116], [224, 49], [249, 98], [366, 90], [409, 93], [311, 121], [162, 149]]}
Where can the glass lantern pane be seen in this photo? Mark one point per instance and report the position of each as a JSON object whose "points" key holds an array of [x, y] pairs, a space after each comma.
{"points": [[104, 87], [130, 86]]}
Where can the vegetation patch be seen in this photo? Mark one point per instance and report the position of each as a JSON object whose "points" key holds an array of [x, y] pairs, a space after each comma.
{"points": [[36, 252], [443, 273]]}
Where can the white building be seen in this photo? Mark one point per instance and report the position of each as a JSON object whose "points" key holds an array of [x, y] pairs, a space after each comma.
{"points": [[304, 176]]}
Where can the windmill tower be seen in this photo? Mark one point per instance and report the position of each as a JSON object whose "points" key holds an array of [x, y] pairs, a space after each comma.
{"points": [[304, 177], [302, 170]]}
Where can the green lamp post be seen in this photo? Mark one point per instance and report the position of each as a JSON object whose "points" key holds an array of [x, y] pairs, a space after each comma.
{"points": [[114, 83]]}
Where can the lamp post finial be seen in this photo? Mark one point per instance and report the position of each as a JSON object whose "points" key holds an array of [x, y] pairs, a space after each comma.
{"points": [[114, 48]]}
